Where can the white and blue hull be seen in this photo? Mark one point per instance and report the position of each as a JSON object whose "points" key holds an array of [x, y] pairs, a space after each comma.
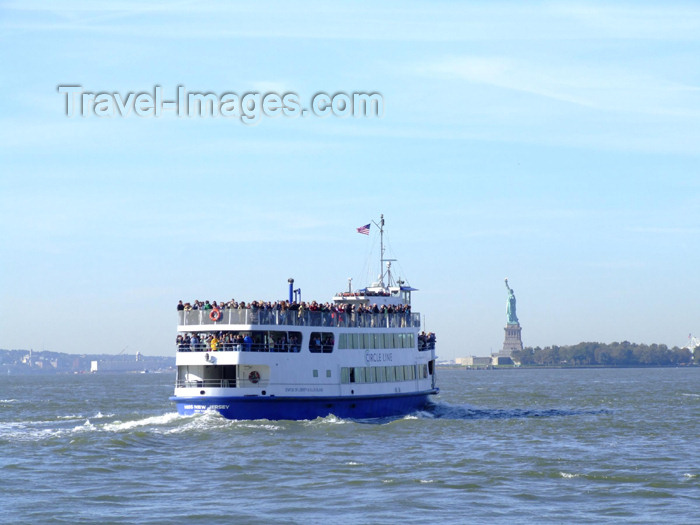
{"points": [[299, 408]]}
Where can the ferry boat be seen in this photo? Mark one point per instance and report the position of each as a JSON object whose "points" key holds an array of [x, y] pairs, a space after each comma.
{"points": [[361, 356]]}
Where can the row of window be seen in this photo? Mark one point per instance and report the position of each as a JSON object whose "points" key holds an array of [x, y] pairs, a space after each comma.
{"points": [[382, 374], [379, 341], [240, 341], [278, 341]]}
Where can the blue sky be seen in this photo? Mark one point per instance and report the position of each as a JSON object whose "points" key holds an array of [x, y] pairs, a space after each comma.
{"points": [[553, 143]]}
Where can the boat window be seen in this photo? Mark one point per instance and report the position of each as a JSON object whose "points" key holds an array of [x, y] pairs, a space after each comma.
{"points": [[425, 371], [388, 341], [245, 341], [294, 342], [390, 373], [370, 340], [381, 374], [215, 376], [345, 375], [278, 341], [315, 373], [399, 373], [369, 374], [328, 373], [359, 374], [321, 342], [409, 372]]}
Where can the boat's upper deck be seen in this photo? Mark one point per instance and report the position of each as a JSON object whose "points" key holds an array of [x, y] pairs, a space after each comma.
{"points": [[248, 316]]}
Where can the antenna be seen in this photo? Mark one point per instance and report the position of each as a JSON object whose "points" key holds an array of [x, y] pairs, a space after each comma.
{"points": [[381, 249], [382, 260]]}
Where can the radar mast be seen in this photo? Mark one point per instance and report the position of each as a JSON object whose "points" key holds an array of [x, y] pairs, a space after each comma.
{"points": [[382, 260]]}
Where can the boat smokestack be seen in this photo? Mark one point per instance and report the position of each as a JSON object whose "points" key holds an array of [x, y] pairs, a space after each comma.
{"points": [[291, 289]]}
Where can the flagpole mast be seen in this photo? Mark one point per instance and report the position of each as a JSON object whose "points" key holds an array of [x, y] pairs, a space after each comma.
{"points": [[381, 249], [381, 243]]}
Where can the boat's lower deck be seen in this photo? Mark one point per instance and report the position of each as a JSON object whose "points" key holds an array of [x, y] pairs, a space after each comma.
{"points": [[298, 408]]}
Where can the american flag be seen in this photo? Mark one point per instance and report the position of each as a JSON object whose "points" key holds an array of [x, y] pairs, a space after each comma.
{"points": [[363, 229]]}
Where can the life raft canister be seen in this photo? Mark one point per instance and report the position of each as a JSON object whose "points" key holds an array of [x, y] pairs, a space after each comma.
{"points": [[215, 314], [254, 376]]}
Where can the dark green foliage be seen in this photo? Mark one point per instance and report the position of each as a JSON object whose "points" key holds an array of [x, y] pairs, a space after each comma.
{"points": [[601, 354]]}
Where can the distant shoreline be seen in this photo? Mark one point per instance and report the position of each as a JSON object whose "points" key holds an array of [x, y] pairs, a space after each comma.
{"points": [[563, 367], [45, 362]]}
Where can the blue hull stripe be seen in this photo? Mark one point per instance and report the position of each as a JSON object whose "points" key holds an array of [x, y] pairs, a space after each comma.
{"points": [[270, 407]]}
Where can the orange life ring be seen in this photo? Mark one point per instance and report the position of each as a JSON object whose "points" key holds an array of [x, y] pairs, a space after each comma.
{"points": [[254, 376], [215, 314]]}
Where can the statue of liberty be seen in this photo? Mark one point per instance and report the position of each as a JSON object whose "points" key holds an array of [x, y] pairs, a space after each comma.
{"points": [[510, 306]]}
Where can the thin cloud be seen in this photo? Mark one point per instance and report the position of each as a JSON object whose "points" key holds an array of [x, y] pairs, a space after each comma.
{"points": [[437, 22], [594, 87], [665, 230]]}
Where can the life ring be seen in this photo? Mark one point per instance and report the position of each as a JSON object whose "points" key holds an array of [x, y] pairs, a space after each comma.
{"points": [[254, 376], [215, 314]]}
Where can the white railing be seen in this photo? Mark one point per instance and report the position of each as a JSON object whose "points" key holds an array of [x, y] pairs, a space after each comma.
{"points": [[295, 318], [209, 383], [239, 347]]}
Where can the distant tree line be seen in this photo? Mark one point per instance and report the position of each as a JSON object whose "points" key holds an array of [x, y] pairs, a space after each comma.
{"points": [[601, 354]]}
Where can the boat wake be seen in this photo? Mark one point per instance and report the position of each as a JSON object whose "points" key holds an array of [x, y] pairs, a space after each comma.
{"points": [[76, 425], [73, 426], [153, 421], [449, 411]]}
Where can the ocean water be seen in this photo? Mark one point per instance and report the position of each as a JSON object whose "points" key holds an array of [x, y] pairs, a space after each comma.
{"points": [[507, 446]]}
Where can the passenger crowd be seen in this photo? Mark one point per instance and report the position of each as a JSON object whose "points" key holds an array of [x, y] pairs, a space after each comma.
{"points": [[426, 341], [231, 341], [244, 342], [284, 306]]}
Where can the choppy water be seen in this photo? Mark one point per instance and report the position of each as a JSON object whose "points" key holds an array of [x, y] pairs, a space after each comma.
{"points": [[515, 446]]}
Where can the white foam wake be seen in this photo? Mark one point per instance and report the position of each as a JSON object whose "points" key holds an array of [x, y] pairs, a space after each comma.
{"points": [[118, 426]]}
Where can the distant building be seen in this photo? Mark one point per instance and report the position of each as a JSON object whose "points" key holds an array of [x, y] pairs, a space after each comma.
{"points": [[123, 363], [501, 360], [474, 361]]}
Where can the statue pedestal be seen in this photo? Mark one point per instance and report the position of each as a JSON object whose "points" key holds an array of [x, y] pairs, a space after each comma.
{"points": [[512, 341]]}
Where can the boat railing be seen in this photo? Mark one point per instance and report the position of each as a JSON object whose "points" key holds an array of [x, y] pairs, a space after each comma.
{"points": [[296, 318], [239, 347], [209, 383], [266, 347]]}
